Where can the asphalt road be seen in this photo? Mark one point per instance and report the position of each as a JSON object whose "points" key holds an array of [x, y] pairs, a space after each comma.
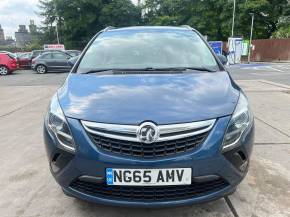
{"points": [[28, 189], [275, 72]]}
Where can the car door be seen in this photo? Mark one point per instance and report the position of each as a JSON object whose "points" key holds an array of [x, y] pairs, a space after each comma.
{"points": [[21, 61], [24, 61], [61, 61], [47, 60]]}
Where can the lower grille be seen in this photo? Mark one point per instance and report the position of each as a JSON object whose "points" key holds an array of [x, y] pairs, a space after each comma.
{"points": [[157, 149], [149, 193]]}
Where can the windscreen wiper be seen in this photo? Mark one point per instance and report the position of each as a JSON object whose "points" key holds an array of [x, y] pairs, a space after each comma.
{"points": [[174, 69], [112, 70], [96, 71], [124, 70], [205, 69], [181, 69]]}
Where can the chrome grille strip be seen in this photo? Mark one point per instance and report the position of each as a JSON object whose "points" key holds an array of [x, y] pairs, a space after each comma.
{"points": [[129, 132]]}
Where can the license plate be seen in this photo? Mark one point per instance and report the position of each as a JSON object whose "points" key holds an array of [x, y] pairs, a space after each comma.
{"points": [[148, 177]]}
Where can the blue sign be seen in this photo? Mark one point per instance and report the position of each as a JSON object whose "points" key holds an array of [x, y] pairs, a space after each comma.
{"points": [[109, 176], [217, 46]]}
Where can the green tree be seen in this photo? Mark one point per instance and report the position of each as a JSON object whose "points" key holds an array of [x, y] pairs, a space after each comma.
{"points": [[47, 30], [267, 14], [283, 30], [79, 20], [214, 17], [120, 13]]}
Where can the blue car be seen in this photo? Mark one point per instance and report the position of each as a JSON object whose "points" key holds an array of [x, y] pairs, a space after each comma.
{"points": [[149, 117]]}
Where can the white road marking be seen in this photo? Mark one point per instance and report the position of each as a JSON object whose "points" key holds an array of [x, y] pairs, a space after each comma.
{"points": [[283, 67], [270, 73], [270, 67], [268, 70]]}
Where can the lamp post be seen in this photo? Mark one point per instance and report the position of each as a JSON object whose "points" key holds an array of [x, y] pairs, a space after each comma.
{"points": [[56, 29], [251, 37], [234, 14]]}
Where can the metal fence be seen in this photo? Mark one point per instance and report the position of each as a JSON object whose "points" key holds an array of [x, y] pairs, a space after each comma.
{"points": [[270, 50]]}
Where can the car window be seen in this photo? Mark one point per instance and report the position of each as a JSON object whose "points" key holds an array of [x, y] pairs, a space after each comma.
{"points": [[11, 55], [73, 53], [46, 56], [59, 55], [142, 49], [25, 55], [37, 53]]}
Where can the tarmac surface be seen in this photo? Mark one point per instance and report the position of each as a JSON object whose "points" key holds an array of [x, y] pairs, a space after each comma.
{"points": [[29, 190]]}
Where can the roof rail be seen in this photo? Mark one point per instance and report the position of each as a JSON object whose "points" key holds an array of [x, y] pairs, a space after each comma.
{"points": [[186, 26], [109, 28]]}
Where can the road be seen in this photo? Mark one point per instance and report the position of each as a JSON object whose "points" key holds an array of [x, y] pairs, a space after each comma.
{"points": [[28, 189], [278, 72]]}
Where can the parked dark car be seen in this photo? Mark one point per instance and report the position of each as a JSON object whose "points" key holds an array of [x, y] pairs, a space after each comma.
{"points": [[55, 61], [73, 53], [36, 53], [149, 117], [24, 60], [8, 63]]}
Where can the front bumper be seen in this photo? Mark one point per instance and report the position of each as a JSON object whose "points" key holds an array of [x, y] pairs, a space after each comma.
{"points": [[33, 66], [207, 160]]}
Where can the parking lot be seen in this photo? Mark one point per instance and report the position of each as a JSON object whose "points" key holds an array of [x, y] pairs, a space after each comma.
{"points": [[28, 189]]}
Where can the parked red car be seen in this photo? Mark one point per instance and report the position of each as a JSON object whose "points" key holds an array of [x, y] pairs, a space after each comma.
{"points": [[24, 60], [8, 63]]}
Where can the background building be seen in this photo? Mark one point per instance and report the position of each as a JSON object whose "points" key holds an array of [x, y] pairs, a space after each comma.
{"points": [[10, 41], [32, 27], [2, 37], [23, 37]]}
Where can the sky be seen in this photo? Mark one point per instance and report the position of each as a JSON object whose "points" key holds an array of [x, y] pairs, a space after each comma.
{"points": [[16, 12]]}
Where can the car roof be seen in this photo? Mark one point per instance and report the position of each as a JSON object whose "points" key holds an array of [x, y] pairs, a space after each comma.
{"points": [[55, 51], [12, 55], [5, 52], [160, 28]]}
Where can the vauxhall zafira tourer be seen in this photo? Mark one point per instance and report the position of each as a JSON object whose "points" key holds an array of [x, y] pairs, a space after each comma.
{"points": [[149, 117]]}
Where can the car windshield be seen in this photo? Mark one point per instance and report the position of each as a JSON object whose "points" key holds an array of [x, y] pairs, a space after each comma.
{"points": [[141, 49], [24, 55]]}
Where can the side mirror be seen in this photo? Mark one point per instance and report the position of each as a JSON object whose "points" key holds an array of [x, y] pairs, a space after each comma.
{"points": [[72, 61], [223, 59]]}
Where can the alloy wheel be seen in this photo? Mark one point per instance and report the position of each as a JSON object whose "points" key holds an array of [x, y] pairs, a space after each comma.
{"points": [[3, 70], [41, 69]]}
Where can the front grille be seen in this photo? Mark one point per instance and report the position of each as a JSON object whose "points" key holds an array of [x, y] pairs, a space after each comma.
{"points": [[132, 140], [149, 193], [153, 150]]}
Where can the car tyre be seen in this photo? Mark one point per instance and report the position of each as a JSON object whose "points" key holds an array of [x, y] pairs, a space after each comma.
{"points": [[4, 70], [41, 69]]}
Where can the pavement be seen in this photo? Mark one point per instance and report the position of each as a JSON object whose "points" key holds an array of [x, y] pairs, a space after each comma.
{"points": [[29, 190]]}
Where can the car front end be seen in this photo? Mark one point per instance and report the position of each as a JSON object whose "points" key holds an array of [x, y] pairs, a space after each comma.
{"points": [[148, 139], [34, 63]]}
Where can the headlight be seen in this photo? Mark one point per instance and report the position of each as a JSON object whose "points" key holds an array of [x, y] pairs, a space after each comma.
{"points": [[241, 119], [57, 124]]}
